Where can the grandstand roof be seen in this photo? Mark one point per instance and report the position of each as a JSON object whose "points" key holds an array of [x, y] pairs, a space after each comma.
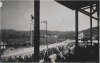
{"points": [[76, 4]]}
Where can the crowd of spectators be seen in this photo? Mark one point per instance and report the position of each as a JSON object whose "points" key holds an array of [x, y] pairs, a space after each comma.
{"points": [[61, 54]]}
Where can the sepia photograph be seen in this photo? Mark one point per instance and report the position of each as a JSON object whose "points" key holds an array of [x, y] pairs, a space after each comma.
{"points": [[49, 31]]}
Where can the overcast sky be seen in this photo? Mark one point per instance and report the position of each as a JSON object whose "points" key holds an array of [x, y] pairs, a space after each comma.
{"points": [[17, 15]]}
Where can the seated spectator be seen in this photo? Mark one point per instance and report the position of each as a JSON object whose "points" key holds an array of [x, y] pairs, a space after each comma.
{"points": [[41, 61], [58, 58], [53, 57], [72, 49], [62, 57], [10, 59], [20, 59], [46, 58]]}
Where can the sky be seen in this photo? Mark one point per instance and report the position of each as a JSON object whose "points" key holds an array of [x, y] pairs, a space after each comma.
{"points": [[17, 15]]}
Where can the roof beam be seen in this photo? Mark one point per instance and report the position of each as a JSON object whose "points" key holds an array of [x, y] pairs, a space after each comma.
{"points": [[87, 13]]}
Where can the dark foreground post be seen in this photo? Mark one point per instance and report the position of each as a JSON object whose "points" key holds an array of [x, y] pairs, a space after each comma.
{"points": [[36, 30], [98, 30], [97, 6], [76, 31], [91, 24]]}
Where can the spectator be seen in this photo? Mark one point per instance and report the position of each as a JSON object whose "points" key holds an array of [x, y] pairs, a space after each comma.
{"points": [[53, 57], [20, 59]]}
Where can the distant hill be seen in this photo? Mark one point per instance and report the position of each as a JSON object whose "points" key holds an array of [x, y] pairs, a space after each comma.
{"points": [[94, 29], [86, 32], [64, 34], [7, 34], [16, 34], [10, 33]]}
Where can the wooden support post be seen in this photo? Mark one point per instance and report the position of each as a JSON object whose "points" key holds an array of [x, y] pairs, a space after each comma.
{"points": [[91, 24], [98, 30], [36, 30], [97, 6], [76, 31]]}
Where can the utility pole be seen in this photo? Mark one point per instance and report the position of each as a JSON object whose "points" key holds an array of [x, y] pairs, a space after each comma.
{"points": [[46, 35], [31, 30]]}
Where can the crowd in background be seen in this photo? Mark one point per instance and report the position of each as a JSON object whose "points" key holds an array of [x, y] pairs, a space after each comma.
{"points": [[61, 54]]}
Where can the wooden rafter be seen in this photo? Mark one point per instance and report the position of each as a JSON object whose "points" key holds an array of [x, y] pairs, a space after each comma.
{"points": [[87, 13]]}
